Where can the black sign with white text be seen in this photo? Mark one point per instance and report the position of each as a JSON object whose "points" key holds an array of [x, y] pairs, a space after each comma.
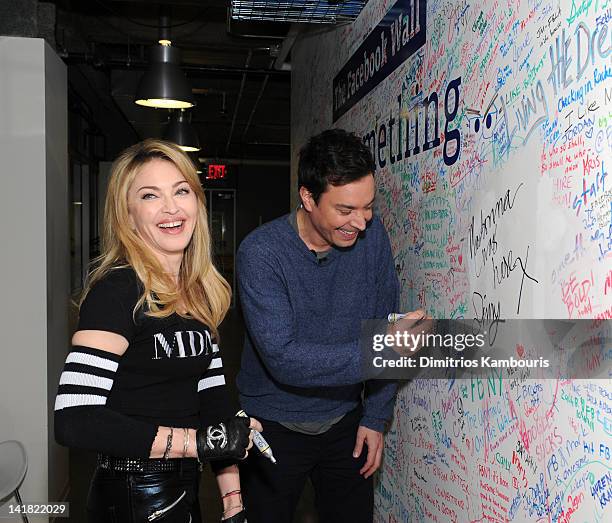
{"points": [[397, 37]]}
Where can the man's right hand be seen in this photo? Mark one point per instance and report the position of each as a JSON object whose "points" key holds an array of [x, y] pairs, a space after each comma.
{"points": [[413, 323]]}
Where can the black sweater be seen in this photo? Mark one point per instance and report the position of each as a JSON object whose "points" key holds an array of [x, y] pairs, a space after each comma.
{"points": [[171, 374]]}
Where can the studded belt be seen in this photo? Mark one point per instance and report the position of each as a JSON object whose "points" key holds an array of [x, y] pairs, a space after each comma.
{"points": [[145, 465]]}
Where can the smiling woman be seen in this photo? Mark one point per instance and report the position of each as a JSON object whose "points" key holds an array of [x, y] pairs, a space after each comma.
{"points": [[156, 185], [163, 210], [144, 383]]}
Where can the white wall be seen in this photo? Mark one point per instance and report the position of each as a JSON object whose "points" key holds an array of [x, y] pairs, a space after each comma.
{"points": [[35, 260]]}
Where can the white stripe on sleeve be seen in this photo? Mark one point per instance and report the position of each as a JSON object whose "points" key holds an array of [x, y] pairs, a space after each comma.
{"points": [[86, 380], [213, 381], [63, 401], [216, 363], [92, 361]]}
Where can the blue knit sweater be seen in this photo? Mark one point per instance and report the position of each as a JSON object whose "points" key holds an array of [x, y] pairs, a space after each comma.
{"points": [[301, 359]]}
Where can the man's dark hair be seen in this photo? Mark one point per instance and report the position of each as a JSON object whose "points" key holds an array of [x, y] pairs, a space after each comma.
{"points": [[334, 157]]}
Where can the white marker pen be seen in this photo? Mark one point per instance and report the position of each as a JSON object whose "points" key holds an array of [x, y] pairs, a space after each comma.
{"points": [[259, 440], [396, 316]]}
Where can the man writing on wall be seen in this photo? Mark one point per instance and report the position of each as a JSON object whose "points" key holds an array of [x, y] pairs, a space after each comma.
{"points": [[306, 282]]}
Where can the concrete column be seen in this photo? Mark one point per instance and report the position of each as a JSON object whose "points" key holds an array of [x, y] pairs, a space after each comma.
{"points": [[35, 259]]}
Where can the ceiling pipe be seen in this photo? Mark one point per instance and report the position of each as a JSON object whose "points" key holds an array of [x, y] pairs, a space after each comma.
{"points": [[279, 64], [259, 95], [242, 161], [137, 65], [242, 84]]}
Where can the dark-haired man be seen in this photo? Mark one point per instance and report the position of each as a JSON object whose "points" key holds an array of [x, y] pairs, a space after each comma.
{"points": [[306, 281]]}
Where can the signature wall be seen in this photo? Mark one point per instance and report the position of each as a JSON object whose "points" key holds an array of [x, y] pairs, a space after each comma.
{"points": [[493, 145]]}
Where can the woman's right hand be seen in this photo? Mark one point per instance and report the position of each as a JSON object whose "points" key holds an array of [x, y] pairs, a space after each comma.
{"points": [[231, 439]]}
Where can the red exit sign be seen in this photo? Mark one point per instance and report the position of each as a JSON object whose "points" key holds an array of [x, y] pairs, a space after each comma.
{"points": [[216, 172]]}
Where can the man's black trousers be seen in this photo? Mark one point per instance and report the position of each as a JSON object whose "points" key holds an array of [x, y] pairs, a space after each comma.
{"points": [[271, 492]]}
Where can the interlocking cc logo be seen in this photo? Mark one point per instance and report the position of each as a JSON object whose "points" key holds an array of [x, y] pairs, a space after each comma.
{"points": [[216, 436]]}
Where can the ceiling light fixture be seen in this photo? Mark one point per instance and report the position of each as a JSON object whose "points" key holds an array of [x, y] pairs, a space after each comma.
{"points": [[164, 84], [181, 132]]}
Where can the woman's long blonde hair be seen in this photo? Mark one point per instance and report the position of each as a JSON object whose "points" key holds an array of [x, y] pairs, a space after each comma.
{"points": [[202, 291]]}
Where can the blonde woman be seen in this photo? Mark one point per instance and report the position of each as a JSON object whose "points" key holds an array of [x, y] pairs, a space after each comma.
{"points": [[144, 384]]}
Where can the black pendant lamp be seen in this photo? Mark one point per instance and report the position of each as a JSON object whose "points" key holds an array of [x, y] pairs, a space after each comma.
{"points": [[181, 132], [164, 85]]}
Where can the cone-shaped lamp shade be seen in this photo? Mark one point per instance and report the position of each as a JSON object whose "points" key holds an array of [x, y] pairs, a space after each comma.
{"points": [[181, 132], [164, 85]]}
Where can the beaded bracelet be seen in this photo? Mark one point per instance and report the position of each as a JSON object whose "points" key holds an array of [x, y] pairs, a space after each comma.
{"points": [[168, 443]]}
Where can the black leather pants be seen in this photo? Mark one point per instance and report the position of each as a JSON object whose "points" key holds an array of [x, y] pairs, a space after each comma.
{"points": [[136, 497]]}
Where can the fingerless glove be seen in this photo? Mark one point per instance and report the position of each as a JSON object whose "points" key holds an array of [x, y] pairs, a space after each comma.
{"points": [[229, 439]]}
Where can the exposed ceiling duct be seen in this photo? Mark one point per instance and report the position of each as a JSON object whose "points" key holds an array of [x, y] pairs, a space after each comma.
{"points": [[298, 11]]}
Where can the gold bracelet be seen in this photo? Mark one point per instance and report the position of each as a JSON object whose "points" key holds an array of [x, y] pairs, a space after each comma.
{"points": [[185, 441]]}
